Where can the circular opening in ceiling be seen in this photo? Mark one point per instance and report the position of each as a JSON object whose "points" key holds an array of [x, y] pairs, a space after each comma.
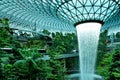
{"points": [[89, 21], [88, 25]]}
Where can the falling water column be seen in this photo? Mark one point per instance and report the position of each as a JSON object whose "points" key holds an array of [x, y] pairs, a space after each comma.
{"points": [[88, 36]]}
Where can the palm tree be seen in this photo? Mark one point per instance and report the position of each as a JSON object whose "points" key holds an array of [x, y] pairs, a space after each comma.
{"points": [[33, 65], [28, 64]]}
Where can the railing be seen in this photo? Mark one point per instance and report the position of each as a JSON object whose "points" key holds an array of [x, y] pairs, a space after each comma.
{"points": [[21, 38], [117, 40], [114, 40], [72, 71]]}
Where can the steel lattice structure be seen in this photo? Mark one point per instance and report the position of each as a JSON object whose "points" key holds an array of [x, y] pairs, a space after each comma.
{"points": [[59, 15], [113, 24]]}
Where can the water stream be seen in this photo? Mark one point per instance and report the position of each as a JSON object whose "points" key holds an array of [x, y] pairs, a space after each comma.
{"points": [[88, 36]]}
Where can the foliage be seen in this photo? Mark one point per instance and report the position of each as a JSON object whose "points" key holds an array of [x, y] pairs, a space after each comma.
{"points": [[61, 44], [115, 65], [64, 43], [32, 66], [46, 32], [25, 64], [109, 66], [73, 65], [40, 44], [6, 39], [102, 46], [103, 57], [7, 58], [118, 35], [58, 69], [103, 67]]}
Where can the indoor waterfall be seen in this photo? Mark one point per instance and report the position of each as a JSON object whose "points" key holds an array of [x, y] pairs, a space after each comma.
{"points": [[88, 36]]}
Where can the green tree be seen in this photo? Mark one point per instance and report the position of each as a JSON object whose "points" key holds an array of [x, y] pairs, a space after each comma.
{"points": [[7, 58], [103, 68], [64, 43], [32, 66], [115, 65], [61, 44], [103, 57], [118, 35], [102, 47], [46, 32], [58, 69], [6, 38], [29, 64], [109, 65]]}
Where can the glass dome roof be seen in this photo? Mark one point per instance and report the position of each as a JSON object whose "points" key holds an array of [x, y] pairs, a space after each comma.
{"points": [[56, 15], [87, 10]]}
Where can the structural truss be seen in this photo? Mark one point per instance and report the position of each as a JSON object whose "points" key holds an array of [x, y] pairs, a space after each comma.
{"points": [[56, 15]]}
